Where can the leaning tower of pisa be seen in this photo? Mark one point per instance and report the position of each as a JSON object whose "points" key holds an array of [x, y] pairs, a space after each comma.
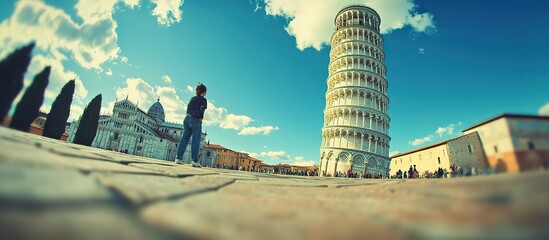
{"points": [[355, 135]]}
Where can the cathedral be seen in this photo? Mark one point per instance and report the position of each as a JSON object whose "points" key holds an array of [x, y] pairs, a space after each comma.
{"points": [[134, 131]]}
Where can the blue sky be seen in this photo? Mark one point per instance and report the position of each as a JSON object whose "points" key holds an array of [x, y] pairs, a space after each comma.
{"points": [[450, 63]]}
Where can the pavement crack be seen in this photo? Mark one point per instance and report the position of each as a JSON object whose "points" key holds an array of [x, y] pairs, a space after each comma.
{"points": [[176, 197]]}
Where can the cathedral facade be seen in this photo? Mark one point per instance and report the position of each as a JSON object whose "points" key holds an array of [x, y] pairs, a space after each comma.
{"points": [[355, 135], [131, 130]]}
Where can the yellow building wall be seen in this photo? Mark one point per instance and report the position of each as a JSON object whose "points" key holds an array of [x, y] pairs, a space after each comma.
{"points": [[425, 160]]}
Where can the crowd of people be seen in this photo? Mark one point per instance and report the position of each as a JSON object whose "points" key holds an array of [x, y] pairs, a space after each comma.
{"points": [[350, 174], [455, 171], [274, 170]]}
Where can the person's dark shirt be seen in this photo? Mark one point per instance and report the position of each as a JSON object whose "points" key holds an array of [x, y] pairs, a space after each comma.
{"points": [[196, 107]]}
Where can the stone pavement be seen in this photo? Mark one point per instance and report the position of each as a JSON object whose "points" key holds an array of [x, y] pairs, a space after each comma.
{"points": [[56, 190]]}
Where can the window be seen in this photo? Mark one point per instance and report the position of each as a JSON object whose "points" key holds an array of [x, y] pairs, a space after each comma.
{"points": [[115, 136], [531, 146], [470, 148], [496, 149], [438, 160]]}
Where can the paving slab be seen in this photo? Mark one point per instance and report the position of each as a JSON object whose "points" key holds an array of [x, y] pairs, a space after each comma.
{"points": [[175, 170], [27, 154], [145, 189], [94, 222], [32, 185]]}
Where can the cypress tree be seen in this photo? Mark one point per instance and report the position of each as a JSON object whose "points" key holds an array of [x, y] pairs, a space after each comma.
{"points": [[87, 126], [12, 70], [27, 109], [59, 113]]}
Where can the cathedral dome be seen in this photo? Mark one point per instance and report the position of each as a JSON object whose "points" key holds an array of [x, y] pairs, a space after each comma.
{"points": [[157, 111]]}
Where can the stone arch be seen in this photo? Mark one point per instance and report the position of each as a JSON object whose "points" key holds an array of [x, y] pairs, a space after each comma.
{"points": [[372, 164], [358, 163], [344, 157]]}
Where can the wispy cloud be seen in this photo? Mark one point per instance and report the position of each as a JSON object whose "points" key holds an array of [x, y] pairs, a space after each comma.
{"points": [[166, 79], [544, 110], [419, 141], [167, 12], [421, 51], [190, 89], [276, 155], [311, 23], [392, 153], [265, 130], [439, 133], [445, 130], [300, 161]]}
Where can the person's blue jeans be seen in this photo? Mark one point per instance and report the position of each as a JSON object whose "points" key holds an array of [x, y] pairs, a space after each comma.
{"points": [[192, 127]]}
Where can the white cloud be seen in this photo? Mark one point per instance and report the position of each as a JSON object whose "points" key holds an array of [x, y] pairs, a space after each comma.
{"points": [[439, 133], [544, 110], [265, 130], [108, 72], [91, 11], [76, 112], [421, 22], [58, 77], [166, 79], [252, 154], [174, 108], [276, 155], [167, 12], [137, 89], [45, 108], [421, 51], [311, 23], [445, 130], [190, 89], [419, 141], [300, 161], [90, 44], [236, 122], [219, 116], [124, 59], [132, 3], [108, 109]]}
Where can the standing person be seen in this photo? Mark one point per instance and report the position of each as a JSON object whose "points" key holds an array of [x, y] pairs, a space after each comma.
{"points": [[193, 126]]}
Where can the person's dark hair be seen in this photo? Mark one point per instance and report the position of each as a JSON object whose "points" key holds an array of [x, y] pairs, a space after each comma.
{"points": [[200, 88]]}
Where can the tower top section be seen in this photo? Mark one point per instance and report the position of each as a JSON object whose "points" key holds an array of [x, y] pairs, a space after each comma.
{"points": [[365, 16]]}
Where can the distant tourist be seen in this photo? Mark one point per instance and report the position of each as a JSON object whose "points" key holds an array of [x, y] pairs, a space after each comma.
{"points": [[193, 126]]}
